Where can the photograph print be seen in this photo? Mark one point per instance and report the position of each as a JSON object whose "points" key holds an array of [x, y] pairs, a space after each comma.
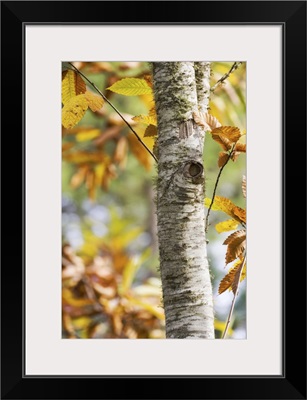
{"points": [[154, 200]]}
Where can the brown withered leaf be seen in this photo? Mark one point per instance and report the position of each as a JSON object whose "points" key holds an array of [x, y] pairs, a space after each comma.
{"points": [[206, 120], [240, 147], [232, 133], [238, 276], [228, 279], [223, 158], [223, 141], [151, 131], [236, 245], [231, 280], [238, 234], [244, 186]]}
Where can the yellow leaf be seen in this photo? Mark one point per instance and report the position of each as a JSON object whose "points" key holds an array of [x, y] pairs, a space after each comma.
{"points": [[128, 275], [69, 299], [72, 85], [87, 134], [131, 87], [83, 157], [151, 131], [73, 111], [99, 172], [221, 204], [152, 309], [95, 102], [227, 206], [226, 226], [146, 119], [220, 326]]}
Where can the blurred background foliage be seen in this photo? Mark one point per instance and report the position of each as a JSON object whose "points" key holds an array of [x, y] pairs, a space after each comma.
{"points": [[110, 270]]}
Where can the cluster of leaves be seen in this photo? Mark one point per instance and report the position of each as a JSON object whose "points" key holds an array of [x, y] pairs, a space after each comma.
{"points": [[102, 294], [98, 153], [229, 139]]}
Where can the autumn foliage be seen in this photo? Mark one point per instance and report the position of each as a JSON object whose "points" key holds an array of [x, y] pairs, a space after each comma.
{"points": [[102, 295]]}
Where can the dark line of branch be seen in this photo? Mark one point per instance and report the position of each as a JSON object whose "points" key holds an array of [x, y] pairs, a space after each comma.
{"points": [[215, 187], [234, 66], [116, 110]]}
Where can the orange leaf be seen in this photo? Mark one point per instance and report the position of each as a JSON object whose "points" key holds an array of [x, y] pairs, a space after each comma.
{"points": [[241, 147], [231, 280], [239, 213], [226, 136], [223, 141], [232, 133], [236, 245]]}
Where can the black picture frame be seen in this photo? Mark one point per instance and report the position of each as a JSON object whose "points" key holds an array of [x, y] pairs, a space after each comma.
{"points": [[292, 383]]}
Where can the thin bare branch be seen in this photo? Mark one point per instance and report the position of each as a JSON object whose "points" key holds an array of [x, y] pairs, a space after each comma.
{"points": [[215, 187], [234, 66], [233, 301], [116, 110]]}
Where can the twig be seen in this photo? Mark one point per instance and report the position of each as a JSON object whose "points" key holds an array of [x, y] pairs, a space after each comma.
{"points": [[116, 110], [234, 66], [215, 187], [233, 301]]}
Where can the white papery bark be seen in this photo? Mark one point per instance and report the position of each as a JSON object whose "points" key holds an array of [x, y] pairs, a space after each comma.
{"points": [[187, 290]]}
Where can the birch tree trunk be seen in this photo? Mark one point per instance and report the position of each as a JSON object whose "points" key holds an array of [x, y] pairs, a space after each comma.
{"points": [[181, 88]]}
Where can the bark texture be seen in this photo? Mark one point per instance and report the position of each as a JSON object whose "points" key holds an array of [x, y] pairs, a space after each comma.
{"points": [[187, 290]]}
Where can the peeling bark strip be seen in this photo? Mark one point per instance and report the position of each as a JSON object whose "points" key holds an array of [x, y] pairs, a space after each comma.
{"points": [[187, 291]]}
